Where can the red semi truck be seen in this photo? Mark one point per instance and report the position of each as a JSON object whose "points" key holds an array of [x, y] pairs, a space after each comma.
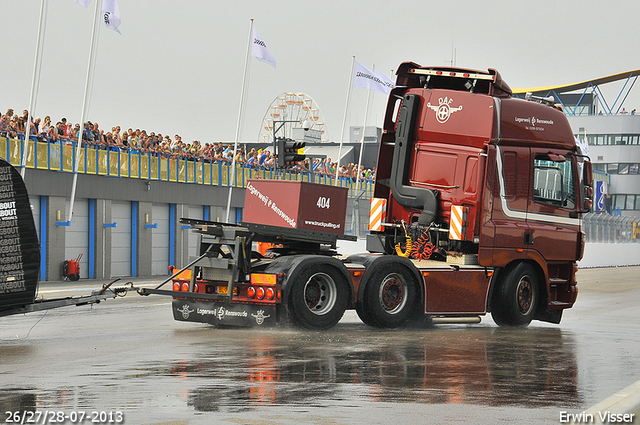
{"points": [[477, 208]]}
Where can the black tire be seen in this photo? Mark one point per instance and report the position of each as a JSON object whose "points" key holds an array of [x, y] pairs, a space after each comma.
{"points": [[390, 296], [73, 277], [517, 296], [364, 315], [318, 297]]}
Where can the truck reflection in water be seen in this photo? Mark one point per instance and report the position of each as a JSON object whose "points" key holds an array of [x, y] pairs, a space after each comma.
{"points": [[232, 370], [487, 366]]}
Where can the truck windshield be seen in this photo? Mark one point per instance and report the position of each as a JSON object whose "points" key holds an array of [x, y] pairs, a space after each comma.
{"points": [[553, 182]]}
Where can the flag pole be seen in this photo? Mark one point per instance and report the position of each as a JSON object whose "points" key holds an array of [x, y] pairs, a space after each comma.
{"points": [[235, 145], [82, 114], [36, 67], [344, 118], [364, 128], [355, 219]]}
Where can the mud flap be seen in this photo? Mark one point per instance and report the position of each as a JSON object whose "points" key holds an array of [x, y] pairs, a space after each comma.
{"points": [[224, 314], [553, 316]]}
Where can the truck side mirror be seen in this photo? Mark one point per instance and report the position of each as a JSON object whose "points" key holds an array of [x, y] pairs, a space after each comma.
{"points": [[587, 174], [587, 182], [588, 195]]}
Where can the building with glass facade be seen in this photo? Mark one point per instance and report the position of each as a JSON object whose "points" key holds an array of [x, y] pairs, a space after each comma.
{"points": [[614, 148], [613, 136]]}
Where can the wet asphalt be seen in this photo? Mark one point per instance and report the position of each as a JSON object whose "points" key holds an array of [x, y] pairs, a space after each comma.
{"points": [[128, 355]]}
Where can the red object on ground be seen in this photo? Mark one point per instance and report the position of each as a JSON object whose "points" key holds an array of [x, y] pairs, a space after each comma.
{"points": [[71, 269]]}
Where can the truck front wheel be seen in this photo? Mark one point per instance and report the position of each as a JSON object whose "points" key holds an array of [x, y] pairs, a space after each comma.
{"points": [[390, 296], [318, 297], [516, 298]]}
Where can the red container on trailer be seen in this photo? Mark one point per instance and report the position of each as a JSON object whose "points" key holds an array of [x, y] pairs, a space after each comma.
{"points": [[296, 205]]}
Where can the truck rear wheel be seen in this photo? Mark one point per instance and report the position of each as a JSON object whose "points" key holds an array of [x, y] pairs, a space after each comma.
{"points": [[516, 297], [364, 315], [318, 297], [390, 296]]}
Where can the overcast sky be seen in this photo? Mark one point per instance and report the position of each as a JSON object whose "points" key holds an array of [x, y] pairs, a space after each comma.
{"points": [[177, 67]]}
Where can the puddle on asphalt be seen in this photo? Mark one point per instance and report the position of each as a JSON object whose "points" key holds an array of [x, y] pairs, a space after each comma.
{"points": [[239, 370]]}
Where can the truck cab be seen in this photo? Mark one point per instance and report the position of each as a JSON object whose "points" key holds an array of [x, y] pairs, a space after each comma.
{"points": [[485, 174]]}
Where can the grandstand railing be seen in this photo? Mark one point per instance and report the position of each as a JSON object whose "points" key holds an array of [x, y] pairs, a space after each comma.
{"points": [[94, 159]]}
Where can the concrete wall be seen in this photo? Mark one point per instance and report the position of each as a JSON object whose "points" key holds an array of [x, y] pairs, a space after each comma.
{"points": [[144, 238], [55, 237], [55, 189], [610, 254]]}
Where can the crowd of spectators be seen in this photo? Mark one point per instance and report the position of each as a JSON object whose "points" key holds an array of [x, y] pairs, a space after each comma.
{"points": [[139, 141]]}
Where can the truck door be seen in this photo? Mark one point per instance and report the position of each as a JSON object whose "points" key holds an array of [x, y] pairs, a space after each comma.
{"points": [[553, 233], [510, 210]]}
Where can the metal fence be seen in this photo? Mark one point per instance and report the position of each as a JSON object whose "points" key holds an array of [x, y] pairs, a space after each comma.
{"points": [[61, 155], [602, 227]]}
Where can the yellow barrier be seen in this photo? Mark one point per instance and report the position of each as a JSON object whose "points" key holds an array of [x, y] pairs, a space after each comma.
{"points": [[207, 173], [225, 174], [144, 167], [134, 171], [102, 162], [113, 163], [124, 164], [14, 151], [31, 155], [42, 155], [153, 168], [247, 175], [172, 165], [60, 157], [67, 158], [199, 172], [163, 164], [191, 170], [92, 162], [3, 147]]}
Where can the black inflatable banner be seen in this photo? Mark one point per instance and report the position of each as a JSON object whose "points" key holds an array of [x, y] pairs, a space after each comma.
{"points": [[19, 246]]}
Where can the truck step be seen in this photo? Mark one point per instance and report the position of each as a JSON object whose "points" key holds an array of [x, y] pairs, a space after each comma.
{"points": [[462, 259]]}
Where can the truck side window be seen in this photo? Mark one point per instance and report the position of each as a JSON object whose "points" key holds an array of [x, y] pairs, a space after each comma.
{"points": [[553, 182]]}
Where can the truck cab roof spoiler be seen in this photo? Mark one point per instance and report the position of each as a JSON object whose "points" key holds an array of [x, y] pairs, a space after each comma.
{"points": [[489, 82]]}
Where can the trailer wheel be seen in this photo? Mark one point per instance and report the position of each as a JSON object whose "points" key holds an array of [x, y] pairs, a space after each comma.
{"points": [[390, 296], [516, 298], [318, 297]]}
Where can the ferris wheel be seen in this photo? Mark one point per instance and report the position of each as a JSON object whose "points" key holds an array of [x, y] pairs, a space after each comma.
{"points": [[289, 111]]}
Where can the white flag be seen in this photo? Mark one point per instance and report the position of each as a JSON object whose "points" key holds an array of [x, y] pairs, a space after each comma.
{"points": [[386, 81], [366, 78], [111, 14], [583, 144], [259, 49], [85, 3]]}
